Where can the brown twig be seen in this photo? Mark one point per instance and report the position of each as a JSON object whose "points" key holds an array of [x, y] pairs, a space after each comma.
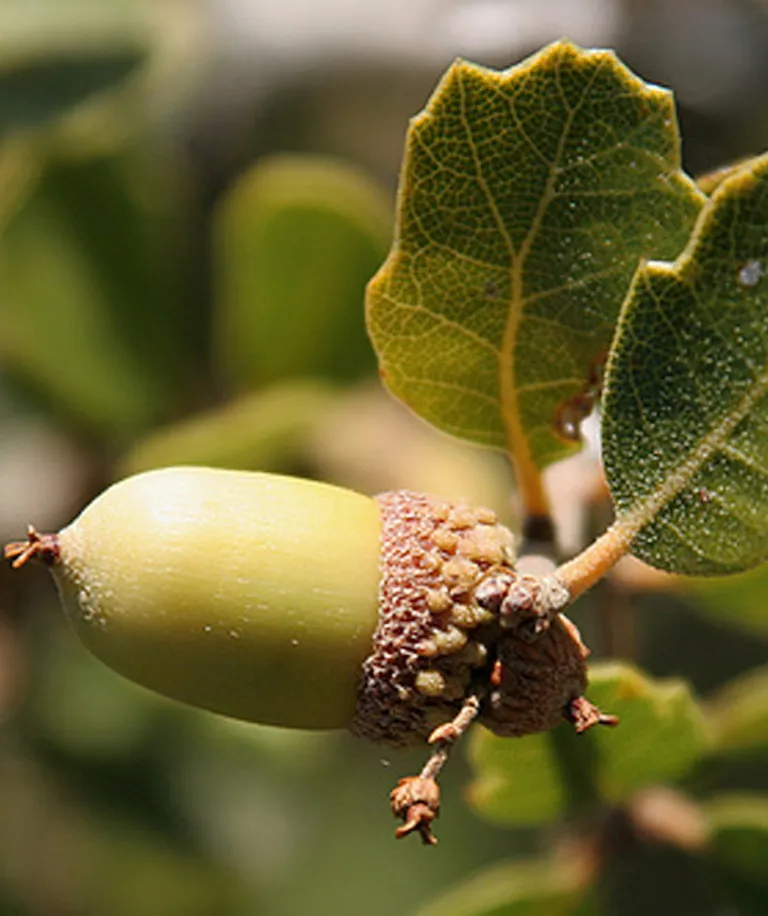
{"points": [[416, 799]]}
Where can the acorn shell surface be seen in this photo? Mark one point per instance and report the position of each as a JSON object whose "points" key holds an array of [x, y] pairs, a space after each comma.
{"points": [[252, 595]]}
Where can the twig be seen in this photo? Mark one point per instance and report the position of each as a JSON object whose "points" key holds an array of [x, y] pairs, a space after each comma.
{"points": [[416, 799]]}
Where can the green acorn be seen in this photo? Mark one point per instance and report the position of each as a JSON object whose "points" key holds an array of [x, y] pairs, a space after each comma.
{"points": [[297, 603]]}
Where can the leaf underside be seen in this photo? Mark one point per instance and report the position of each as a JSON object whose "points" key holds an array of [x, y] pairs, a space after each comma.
{"points": [[527, 198], [685, 419]]}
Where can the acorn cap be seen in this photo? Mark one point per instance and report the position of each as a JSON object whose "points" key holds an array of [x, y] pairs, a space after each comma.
{"points": [[433, 640]]}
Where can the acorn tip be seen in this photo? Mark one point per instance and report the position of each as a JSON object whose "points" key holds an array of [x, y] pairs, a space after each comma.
{"points": [[44, 547]]}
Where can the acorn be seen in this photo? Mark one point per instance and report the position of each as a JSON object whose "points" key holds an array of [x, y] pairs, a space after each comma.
{"points": [[297, 603]]}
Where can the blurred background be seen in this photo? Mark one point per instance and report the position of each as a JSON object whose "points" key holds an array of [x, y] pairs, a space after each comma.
{"points": [[193, 194]]}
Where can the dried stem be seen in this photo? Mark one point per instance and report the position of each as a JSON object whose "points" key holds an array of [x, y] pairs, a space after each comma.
{"points": [[583, 715], [416, 799]]}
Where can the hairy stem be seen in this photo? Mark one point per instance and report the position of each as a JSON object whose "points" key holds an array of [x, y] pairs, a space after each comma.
{"points": [[586, 569]]}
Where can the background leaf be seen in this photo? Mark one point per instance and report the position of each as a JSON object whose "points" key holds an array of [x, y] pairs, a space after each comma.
{"points": [[517, 782], [661, 732], [92, 318], [526, 199], [738, 713], [264, 430], [296, 240], [660, 736], [32, 92], [686, 402], [738, 848], [737, 600]]}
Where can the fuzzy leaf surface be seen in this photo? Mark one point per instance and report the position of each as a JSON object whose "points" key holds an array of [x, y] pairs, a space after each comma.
{"points": [[526, 199], [685, 420]]}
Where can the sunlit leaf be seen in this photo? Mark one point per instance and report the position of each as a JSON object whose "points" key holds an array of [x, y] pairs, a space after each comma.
{"points": [[524, 888], [660, 736], [526, 199], [686, 404], [296, 241]]}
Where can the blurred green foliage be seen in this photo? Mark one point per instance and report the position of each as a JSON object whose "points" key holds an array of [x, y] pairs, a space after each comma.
{"points": [[540, 777], [146, 320], [301, 237]]}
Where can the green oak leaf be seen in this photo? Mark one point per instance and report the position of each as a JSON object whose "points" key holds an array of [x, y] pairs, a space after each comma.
{"points": [[660, 736], [526, 199], [685, 421]]}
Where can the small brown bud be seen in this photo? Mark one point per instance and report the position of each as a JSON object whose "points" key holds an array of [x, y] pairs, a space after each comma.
{"points": [[416, 801]]}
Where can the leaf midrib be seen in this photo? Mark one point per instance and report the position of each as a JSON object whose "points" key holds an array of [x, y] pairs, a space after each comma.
{"points": [[643, 513], [527, 471]]}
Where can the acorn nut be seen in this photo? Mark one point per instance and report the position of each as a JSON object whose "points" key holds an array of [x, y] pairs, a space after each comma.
{"points": [[296, 603]]}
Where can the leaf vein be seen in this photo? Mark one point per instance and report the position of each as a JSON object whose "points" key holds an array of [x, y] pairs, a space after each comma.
{"points": [[571, 285], [734, 454], [439, 318], [645, 512]]}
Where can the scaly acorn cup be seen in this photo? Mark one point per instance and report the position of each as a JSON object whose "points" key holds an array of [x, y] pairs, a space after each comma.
{"points": [[296, 603]]}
